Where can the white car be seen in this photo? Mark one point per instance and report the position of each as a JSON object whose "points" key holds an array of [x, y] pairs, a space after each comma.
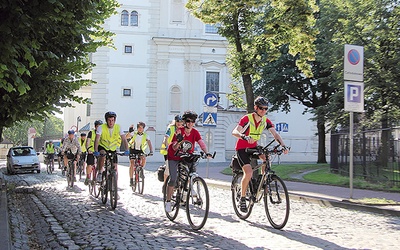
{"points": [[22, 159]]}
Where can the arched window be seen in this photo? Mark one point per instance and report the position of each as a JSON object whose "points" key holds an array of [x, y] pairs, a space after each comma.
{"points": [[124, 18], [175, 99], [134, 18]]}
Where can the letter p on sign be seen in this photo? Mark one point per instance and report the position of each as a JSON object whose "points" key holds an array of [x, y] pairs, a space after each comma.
{"points": [[354, 96]]}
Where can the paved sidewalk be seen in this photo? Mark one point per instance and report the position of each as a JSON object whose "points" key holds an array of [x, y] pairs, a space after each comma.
{"points": [[322, 194]]}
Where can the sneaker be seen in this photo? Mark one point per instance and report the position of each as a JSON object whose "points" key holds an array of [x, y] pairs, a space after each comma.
{"points": [[168, 207], [243, 206], [74, 179], [98, 177], [83, 173], [87, 181], [131, 183]]}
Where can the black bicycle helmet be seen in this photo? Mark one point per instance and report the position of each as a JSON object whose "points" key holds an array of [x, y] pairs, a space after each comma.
{"points": [[261, 101], [189, 114], [110, 114], [98, 122], [83, 134], [178, 118]]}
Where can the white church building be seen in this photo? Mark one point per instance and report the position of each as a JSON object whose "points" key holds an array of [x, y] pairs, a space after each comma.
{"points": [[164, 62]]}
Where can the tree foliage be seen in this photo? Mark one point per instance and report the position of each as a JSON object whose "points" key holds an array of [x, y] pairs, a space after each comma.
{"points": [[44, 53], [254, 26], [18, 133]]}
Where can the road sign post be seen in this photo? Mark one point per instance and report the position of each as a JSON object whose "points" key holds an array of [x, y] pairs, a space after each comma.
{"points": [[353, 92]]}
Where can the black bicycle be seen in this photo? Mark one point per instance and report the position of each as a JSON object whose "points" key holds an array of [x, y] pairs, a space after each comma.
{"points": [[80, 169], [49, 160], [268, 186], [191, 192], [70, 171], [109, 179]]}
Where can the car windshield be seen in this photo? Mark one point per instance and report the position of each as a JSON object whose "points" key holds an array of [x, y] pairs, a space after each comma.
{"points": [[23, 151]]}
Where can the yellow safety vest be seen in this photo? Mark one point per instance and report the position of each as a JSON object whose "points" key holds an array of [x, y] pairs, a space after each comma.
{"points": [[163, 149], [143, 145], [91, 144], [50, 148], [83, 145], [110, 142], [255, 133]]}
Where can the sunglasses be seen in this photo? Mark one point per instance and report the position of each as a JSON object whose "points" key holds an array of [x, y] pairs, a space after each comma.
{"points": [[189, 121], [262, 108]]}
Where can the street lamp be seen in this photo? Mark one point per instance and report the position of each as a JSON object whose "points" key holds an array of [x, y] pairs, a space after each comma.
{"points": [[78, 119]]}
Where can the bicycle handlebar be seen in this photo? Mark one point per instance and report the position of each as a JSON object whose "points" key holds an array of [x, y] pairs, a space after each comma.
{"points": [[278, 150], [201, 155]]}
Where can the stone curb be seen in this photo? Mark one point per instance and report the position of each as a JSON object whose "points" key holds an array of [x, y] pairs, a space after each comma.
{"points": [[5, 240]]}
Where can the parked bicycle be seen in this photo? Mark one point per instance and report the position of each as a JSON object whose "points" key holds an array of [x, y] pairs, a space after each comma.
{"points": [[268, 186], [138, 172], [191, 192], [70, 169], [109, 179], [49, 163]]}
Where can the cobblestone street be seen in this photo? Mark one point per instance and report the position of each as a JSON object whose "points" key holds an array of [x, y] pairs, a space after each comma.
{"points": [[44, 214]]}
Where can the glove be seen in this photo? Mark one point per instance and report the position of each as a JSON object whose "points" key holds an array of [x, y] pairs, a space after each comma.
{"points": [[208, 155], [179, 137], [96, 153], [126, 152], [150, 154]]}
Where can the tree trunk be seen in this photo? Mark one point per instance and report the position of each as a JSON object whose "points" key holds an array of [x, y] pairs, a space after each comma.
{"points": [[321, 139], [248, 88], [1, 134]]}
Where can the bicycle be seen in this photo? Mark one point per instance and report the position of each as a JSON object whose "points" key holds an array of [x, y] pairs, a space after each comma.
{"points": [[93, 185], [138, 172], [109, 179], [49, 163], [80, 170], [191, 192], [70, 172], [268, 186]]}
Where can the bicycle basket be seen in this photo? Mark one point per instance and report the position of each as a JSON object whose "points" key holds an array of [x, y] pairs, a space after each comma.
{"points": [[160, 173], [235, 166]]}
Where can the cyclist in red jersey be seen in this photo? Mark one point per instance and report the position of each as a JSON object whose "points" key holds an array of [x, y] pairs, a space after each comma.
{"points": [[248, 131], [183, 140]]}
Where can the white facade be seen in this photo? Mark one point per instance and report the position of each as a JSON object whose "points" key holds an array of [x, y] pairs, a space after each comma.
{"points": [[163, 63]]}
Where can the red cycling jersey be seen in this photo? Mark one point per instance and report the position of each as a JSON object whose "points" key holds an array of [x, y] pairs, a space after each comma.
{"points": [[242, 144]]}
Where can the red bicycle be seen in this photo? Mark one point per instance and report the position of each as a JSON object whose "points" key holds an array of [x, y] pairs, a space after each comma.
{"points": [[138, 172]]}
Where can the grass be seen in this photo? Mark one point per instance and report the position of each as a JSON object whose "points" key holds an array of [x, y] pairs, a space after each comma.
{"points": [[320, 174]]}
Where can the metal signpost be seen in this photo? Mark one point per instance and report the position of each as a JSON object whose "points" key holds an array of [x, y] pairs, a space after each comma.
{"points": [[210, 117], [353, 92]]}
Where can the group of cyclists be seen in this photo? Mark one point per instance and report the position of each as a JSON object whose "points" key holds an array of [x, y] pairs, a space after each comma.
{"points": [[180, 136]]}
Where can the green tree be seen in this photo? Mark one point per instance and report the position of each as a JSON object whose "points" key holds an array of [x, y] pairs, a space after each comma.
{"points": [[252, 26], [44, 52], [18, 133]]}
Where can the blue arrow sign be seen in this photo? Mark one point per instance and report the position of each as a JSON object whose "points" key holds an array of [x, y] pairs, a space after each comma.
{"points": [[210, 99]]}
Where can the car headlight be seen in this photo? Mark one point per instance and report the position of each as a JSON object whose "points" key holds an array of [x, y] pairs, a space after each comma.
{"points": [[15, 161]]}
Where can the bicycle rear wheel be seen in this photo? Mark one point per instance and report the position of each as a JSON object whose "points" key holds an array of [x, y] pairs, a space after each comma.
{"points": [[197, 204], [276, 201], [175, 199], [236, 188], [113, 190], [140, 180], [49, 168], [103, 187]]}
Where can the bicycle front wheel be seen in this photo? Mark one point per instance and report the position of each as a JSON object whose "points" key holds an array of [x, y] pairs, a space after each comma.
{"points": [[49, 168], [104, 188], [175, 199], [197, 204], [276, 201], [140, 180], [113, 190], [236, 187]]}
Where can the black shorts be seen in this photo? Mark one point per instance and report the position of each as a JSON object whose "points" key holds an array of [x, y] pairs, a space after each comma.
{"points": [[100, 148], [50, 156], [244, 158], [134, 152], [90, 159]]}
